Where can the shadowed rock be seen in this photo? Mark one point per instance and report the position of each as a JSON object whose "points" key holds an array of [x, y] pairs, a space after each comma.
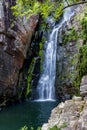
{"points": [[15, 39]]}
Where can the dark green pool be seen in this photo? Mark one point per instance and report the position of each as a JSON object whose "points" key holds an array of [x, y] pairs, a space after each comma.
{"points": [[29, 113]]}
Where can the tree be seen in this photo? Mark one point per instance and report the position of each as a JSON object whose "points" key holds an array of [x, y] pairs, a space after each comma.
{"points": [[43, 7]]}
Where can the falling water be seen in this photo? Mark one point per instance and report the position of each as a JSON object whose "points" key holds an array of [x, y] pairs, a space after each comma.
{"points": [[46, 85], [1, 9]]}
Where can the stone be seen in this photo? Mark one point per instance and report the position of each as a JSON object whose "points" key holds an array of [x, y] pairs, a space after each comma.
{"points": [[67, 59], [73, 113], [15, 39], [83, 86], [75, 98]]}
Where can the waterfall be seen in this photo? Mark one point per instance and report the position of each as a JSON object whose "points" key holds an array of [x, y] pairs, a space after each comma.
{"points": [[1, 9], [46, 84]]}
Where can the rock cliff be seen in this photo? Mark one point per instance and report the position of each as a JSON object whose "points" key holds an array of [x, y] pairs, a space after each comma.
{"points": [[71, 114], [15, 38], [67, 55]]}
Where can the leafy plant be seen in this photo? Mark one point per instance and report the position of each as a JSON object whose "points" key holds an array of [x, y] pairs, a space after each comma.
{"points": [[71, 36], [58, 128], [83, 60], [31, 7], [29, 78], [84, 29], [24, 128]]}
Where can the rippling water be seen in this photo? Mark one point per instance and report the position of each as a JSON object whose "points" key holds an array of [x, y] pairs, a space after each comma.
{"points": [[29, 113]]}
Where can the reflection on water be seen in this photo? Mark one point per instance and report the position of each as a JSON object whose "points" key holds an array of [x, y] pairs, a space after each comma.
{"points": [[29, 113]]}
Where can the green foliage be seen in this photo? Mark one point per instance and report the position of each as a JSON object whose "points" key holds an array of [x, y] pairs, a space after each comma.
{"points": [[31, 7], [24, 128], [29, 78], [41, 51], [84, 28], [82, 56], [82, 65], [83, 60], [58, 128], [58, 10], [70, 36]]}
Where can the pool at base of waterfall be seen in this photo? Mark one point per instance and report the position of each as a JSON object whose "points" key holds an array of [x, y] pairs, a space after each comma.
{"points": [[30, 113]]}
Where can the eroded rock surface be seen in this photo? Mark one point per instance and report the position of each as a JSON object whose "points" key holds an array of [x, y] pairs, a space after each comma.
{"points": [[15, 39], [67, 55], [83, 86], [73, 113]]}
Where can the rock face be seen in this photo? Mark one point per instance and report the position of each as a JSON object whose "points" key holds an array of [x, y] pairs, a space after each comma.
{"points": [[72, 113], [67, 56], [15, 39], [83, 86]]}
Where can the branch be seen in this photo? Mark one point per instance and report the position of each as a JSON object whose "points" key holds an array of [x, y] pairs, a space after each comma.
{"points": [[82, 2]]}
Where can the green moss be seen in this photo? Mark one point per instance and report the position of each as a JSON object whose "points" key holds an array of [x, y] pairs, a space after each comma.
{"points": [[58, 128], [70, 36], [83, 60], [29, 79], [83, 34], [41, 52], [81, 68]]}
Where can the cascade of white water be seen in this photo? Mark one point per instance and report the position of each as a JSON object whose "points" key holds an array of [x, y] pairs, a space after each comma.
{"points": [[1, 9], [46, 84], [2, 22]]}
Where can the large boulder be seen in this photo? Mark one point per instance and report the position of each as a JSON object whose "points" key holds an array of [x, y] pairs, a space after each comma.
{"points": [[15, 39]]}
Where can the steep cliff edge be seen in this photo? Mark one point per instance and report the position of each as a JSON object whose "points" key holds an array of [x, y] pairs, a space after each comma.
{"points": [[15, 39]]}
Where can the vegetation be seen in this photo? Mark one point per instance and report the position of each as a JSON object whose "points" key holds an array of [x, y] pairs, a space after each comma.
{"points": [[53, 128], [58, 128], [29, 78], [43, 7], [71, 36], [82, 56], [32, 7], [26, 128], [82, 66], [84, 29]]}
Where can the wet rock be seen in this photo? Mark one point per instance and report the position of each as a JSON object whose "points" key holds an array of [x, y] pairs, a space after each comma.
{"points": [[15, 39], [67, 58]]}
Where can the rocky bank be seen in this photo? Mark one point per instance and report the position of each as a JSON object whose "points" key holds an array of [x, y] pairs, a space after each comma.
{"points": [[71, 114]]}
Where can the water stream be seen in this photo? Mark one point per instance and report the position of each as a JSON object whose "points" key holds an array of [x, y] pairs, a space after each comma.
{"points": [[46, 85]]}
